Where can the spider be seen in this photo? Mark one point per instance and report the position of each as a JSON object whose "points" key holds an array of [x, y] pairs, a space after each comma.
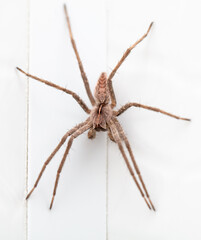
{"points": [[102, 117]]}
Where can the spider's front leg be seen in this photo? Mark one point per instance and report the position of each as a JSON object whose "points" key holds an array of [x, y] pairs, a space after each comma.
{"points": [[83, 74], [111, 90], [128, 105]]}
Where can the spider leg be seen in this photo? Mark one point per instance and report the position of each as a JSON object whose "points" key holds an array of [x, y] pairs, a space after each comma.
{"points": [[125, 139], [71, 131], [73, 136], [128, 105], [74, 95], [83, 74], [112, 94], [116, 136]]}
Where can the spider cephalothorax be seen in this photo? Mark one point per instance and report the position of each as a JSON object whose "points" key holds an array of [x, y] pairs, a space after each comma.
{"points": [[102, 117]]}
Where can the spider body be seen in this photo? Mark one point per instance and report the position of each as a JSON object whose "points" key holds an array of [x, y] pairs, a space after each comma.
{"points": [[102, 111], [102, 117]]}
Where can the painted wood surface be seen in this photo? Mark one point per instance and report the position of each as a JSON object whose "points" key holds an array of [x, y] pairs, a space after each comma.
{"points": [[96, 197]]}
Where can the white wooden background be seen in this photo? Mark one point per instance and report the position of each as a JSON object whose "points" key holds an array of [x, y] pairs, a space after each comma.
{"points": [[96, 197]]}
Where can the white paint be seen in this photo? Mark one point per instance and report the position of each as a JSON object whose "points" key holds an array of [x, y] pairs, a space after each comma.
{"points": [[163, 71]]}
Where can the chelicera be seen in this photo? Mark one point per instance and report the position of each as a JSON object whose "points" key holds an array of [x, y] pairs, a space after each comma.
{"points": [[102, 117]]}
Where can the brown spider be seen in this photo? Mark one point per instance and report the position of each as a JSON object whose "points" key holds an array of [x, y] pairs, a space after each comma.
{"points": [[102, 117]]}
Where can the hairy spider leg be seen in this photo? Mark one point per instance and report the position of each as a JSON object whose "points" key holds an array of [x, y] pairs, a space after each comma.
{"points": [[83, 74], [128, 105], [73, 136], [74, 95], [111, 90], [71, 131], [116, 136], [125, 139]]}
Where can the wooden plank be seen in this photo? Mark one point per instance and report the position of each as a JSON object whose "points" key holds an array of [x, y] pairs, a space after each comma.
{"points": [[79, 207], [13, 52], [163, 71]]}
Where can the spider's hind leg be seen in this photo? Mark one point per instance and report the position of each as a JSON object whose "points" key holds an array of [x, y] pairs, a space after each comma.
{"points": [[71, 131], [78, 132], [116, 134], [124, 138]]}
